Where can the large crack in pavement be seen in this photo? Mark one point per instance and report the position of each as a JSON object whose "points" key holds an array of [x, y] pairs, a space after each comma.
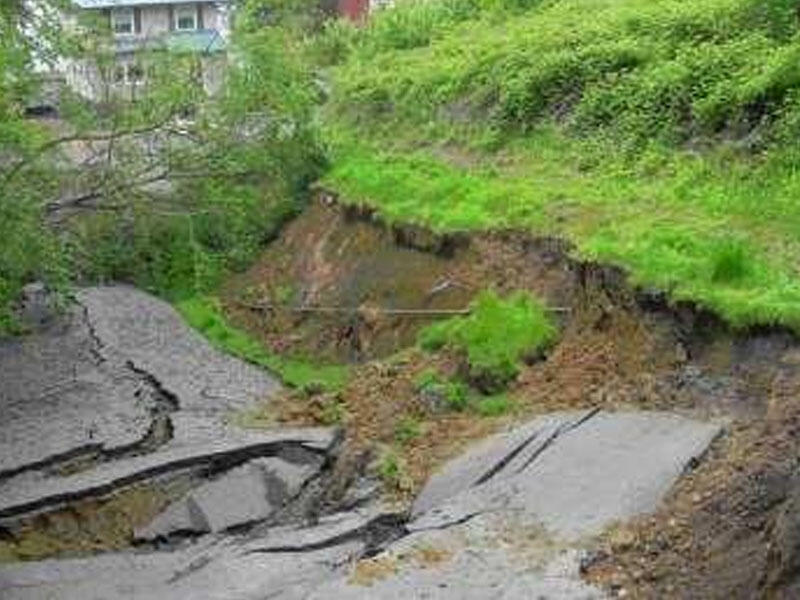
{"points": [[552, 437], [149, 391]]}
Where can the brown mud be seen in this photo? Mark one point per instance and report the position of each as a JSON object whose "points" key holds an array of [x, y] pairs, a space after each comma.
{"points": [[334, 257]]}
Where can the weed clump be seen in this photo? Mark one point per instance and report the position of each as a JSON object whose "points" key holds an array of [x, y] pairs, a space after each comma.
{"points": [[495, 338], [439, 393], [731, 262]]}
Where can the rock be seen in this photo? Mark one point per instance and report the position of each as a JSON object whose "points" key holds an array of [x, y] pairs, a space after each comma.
{"points": [[36, 307]]}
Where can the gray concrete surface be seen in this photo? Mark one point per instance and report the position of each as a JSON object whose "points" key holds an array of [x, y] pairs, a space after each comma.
{"points": [[243, 495], [146, 331], [610, 466], [119, 383], [59, 397], [234, 448], [510, 518], [211, 570]]}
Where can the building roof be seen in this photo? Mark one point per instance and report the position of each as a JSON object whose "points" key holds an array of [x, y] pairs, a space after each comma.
{"points": [[125, 3]]}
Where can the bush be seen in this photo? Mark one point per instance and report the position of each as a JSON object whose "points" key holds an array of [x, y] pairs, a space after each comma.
{"points": [[454, 395], [731, 262], [494, 406], [640, 68], [494, 338]]}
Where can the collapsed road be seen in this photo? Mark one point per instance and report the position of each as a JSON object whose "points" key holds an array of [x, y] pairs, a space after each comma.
{"points": [[117, 403]]}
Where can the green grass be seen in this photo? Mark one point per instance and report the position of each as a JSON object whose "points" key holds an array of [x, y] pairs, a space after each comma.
{"points": [[494, 337], [659, 135], [205, 315], [494, 406]]}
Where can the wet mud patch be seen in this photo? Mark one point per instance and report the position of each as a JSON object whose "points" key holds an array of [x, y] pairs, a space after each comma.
{"points": [[92, 525]]}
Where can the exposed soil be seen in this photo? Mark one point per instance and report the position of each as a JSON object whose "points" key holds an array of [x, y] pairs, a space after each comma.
{"points": [[729, 529], [333, 257], [93, 525]]}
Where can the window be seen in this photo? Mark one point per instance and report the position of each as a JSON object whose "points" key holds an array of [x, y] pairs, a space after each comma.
{"points": [[186, 18], [122, 21]]}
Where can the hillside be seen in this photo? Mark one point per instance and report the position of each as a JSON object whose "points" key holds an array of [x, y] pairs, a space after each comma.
{"points": [[653, 134], [469, 299]]}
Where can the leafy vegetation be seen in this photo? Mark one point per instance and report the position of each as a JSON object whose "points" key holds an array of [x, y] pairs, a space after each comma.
{"points": [[205, 315], [393, 471], [494, 406], [178, 187], [454, 394], [495, 337], [408, 428], [656, 134]]}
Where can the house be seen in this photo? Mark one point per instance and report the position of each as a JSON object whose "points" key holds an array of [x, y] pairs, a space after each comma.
{"points": [[137, 27]]}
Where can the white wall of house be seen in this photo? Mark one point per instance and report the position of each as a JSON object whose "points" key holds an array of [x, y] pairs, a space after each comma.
{"points": [[155, 20], [121, 80], [213, 18]]}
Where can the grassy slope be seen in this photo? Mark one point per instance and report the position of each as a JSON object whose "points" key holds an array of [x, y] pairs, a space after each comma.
{"points": [[656, 134], [205, 315]]}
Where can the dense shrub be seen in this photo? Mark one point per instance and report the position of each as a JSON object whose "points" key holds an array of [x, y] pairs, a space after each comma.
{"points": [[671, 69], [494, 338]]}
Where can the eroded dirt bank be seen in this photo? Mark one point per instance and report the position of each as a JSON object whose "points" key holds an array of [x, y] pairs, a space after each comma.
{"points": [[728, 529]]}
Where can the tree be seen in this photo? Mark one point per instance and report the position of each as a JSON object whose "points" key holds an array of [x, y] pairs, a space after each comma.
{"points": [[169, 191]]}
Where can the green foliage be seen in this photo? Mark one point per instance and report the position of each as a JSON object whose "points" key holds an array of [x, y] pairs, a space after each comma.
{"points": [[495, 337], [393, 471], [181, 255], [731, 262], [410, 24], [454, 394], [670, 69], [205, 315], [407, 429], [232, 173], [494, 406], [28, 250]]}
